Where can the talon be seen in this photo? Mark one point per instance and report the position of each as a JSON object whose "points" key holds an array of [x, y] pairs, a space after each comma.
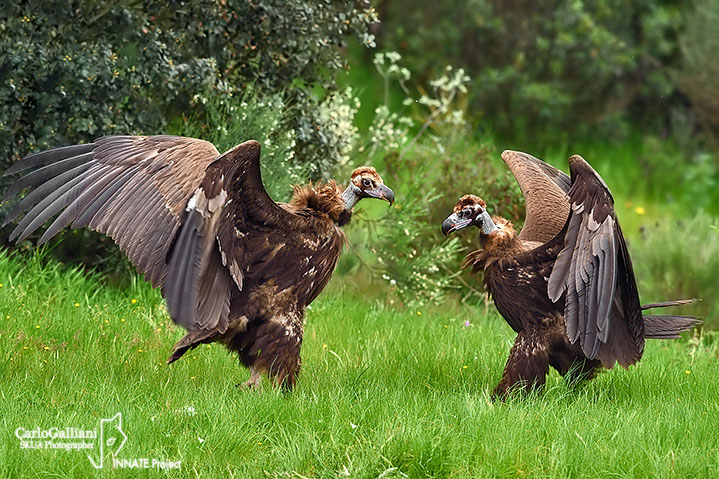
{"points": [[252, 383]]}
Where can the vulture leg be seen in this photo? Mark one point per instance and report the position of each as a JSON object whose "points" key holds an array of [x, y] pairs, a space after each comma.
{"points": [[254, 381], [569, 361], [271, 346], [527, 365], [582, 370]]}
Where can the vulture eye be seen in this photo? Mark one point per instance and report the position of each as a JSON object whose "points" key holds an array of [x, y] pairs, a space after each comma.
{"points": [[467, 211], [366, 183]]}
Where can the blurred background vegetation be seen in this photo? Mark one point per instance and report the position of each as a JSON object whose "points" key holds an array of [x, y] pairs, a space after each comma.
{"points": [[429, 92]]}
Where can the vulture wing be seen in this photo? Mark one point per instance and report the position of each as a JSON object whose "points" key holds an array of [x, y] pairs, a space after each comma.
{"points": [[160, 198], [545, 195], [595, 274]]}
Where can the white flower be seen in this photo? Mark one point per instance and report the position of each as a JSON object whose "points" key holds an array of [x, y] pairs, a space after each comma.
{"points": [[188, 410]]}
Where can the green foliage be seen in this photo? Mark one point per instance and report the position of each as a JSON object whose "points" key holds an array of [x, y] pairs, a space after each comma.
{"points": [[697, 76], [72, 71], [383, 393], [292, 47], [679, 259], [538, 67]]}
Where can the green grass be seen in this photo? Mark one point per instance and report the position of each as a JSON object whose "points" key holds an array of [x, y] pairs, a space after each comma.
{"points": [[383, 393]]}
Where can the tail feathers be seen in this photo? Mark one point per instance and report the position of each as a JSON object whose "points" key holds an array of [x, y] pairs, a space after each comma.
{"points": [[661, 326], [189, 342], [665, 304], [668, 327]]}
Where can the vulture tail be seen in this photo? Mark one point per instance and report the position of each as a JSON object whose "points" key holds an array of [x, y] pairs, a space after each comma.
{"points": [[660, 326], [189, 342], [664, 304]]}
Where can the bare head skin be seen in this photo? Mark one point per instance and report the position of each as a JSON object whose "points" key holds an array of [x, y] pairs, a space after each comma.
{"points": [[470, 210], [365, 182]]}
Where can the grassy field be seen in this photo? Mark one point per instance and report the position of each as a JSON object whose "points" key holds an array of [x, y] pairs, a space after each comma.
{"points": [[383, 393]]}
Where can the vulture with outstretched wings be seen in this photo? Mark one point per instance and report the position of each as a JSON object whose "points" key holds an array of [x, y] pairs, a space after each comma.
{"points": [[234, 266], [565, 283]]}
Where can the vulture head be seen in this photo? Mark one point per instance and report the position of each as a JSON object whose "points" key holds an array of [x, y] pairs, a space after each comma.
{"points": [[469, 210], [366, 183]]}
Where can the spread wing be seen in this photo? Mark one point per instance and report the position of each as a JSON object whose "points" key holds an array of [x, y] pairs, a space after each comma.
{"points": [[131, 188], [594, 272], [160, 198], [544, 188]]}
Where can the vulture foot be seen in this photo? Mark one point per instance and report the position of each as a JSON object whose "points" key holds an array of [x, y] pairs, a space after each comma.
{"points": [[582, 371], [252, 383]]}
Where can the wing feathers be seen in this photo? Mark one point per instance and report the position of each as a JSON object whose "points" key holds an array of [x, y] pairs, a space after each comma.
{"points": [[47, 209], [597, 308], [101, 200], [46, 172], [81, 195], [46, 189], [49, 156], [541, 185], [185, 267]]}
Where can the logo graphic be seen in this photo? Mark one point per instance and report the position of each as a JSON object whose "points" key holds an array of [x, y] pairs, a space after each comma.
{"points": [[111, 437]]}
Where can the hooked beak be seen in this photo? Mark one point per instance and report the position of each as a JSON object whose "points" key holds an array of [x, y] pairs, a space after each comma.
{"points": [[382, 192], [454, 223]]}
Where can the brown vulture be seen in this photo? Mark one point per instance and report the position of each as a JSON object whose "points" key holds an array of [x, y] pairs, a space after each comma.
{"points": [[234, 266], [565, 283]]}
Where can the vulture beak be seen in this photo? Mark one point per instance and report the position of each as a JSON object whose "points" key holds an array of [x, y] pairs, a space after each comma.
{"points": [[454, 223], [382, 192]]}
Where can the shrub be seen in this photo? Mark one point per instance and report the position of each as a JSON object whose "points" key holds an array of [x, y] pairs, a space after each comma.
{"points": [[699, 44], [539, 67], [72, 71]]}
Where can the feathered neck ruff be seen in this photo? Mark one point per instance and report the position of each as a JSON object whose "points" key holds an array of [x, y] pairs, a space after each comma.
{"points": [[501, 243], [323, 197]]}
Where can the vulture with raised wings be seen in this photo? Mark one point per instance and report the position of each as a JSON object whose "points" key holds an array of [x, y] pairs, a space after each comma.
{"points": [[565, 283], [234, 266]]}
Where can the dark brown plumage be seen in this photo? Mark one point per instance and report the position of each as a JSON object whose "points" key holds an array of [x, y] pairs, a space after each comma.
{"points": [[565, 283], [233, 265]]}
